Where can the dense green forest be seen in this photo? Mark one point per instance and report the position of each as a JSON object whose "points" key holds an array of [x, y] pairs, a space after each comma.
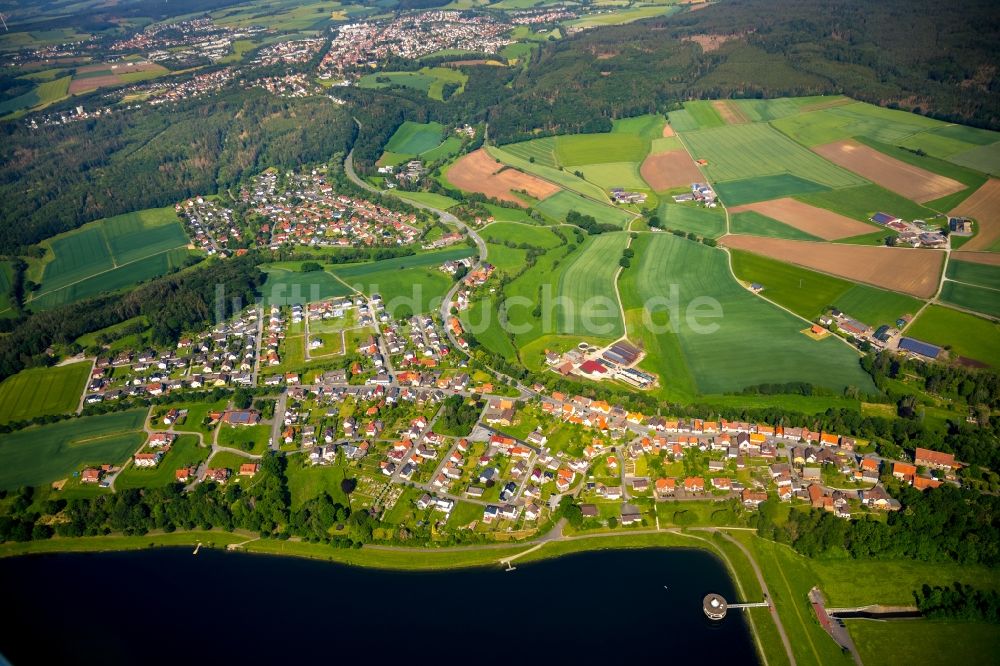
{"points": [[56, 178], [935, 58]]}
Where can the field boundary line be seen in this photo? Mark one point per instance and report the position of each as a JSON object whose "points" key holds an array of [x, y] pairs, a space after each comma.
{"points": [[155, 254]]}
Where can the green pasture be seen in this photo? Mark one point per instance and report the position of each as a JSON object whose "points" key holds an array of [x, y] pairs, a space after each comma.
{"points": [[704, 114], [43, 391], [306, 481], [412, 138], [448, 147], [863, 201], [541, 151], [43, 94], [587, 288], [482, 321], [750, 342], [707, 222], [286, 287], [430, 80], [614, 174], [622, 16], [42, 454], [966, 334], [578, 149], [754, 224], [649, 126], [536, 236], [561, 203], [981, 275], [854, 120], [978, 299], [809, 294], [765, 188], [432, 199]]}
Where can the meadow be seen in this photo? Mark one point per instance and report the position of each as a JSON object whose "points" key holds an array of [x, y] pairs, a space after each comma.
{"points": [[981, 275], [107, 255], [579, 149], [707, 222], [588, 277], [184, 452], [736, 152], [544, 274], [286, 287], [42, 454], [430, 80], [966, 334], [498, 232], [809, 294], [558, 205], [408, 285], [481, 318], [853, 120], [614, 174], [751, 343], [978, 299], [43, 391], [412, 138], [755, 224], [43, 94]]}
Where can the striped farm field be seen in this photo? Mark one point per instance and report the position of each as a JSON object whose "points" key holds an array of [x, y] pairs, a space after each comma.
{"points": [[107, 255], [587, 287], [736, 152], [853, 120], [412, 138], [752, 223], [542, 150], [707, 222], [43, 391], [981, 275], [564, 179], [750, 342]]}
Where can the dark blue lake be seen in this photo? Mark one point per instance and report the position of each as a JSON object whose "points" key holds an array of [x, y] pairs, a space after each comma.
{"points": [[168, 607]]}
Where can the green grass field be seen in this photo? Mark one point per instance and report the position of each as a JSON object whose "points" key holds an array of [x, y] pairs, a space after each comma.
{"points": [[736, 152], [408, 285], [981, 275], [579, 149], [448, 147], [808, 293], [184, 453], [966, 334], [432, 199], [41, 391], [525, 289], [285, 287], [766, 110], [520, 233], [559, 204], [924, 641], [306, 481], [43, 94], [864, 201], [430, 80], [978, 299], [704, 114], [751, 342], [107, 255], [543, 151], [614, 174], [412, 138], [481, 319], [707, 222], [649, 126], [587, 287], [753, 223], [238, 437], [854, 120], [506, 259], [42, 454]]}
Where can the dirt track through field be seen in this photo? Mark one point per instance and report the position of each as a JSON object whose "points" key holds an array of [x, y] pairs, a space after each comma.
{"points": [[816, 221], [673, 168], [911, 182], [984, 207], [478, 172], [909, 271], [729, 112]]}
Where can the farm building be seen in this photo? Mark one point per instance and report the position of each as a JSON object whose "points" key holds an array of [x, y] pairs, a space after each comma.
{"points": [[923, 349], [960, 226], [884, 218], [622, 353]]}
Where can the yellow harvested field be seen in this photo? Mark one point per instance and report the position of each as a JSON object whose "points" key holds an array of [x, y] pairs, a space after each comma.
{"points": [[894, 175], [910, 271], [984, 207], [816, 221]]}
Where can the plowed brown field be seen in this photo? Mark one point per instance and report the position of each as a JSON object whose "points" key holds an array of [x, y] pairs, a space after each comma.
{"points": [[910, 271], [674, 168], [984, 207], [912, 182], [816, 221], [478, 172]]}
